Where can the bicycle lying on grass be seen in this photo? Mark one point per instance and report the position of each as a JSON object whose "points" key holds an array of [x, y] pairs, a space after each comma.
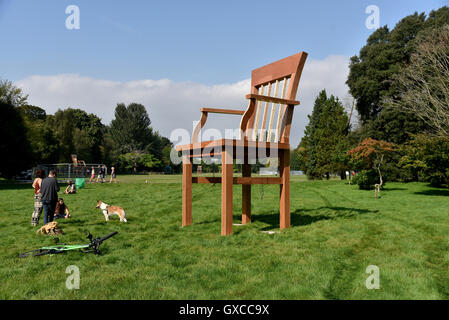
{"points": [[93, 246]]}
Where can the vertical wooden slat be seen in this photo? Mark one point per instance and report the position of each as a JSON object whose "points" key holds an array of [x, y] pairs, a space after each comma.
{"points": [[256, 119], [284, 160], [265, 112], [286, 124], [226, 192], [273, 107], [186, 191], [281, 111]]}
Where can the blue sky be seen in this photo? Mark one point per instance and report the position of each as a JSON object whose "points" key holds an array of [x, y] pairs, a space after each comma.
{"points": [[177, 56], [208, 41]]}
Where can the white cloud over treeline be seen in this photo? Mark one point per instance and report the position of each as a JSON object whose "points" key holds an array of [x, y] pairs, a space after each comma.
{"points": [[173, 105]]}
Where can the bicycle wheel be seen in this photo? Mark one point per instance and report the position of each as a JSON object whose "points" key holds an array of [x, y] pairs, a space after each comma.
{"points": [[35, 253]]}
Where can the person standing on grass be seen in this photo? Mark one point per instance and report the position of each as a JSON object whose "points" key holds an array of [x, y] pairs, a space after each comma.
{"points": [[99, 174], [37, 197], [113, 175], [103, 174], [49, 191], [92, 175]]}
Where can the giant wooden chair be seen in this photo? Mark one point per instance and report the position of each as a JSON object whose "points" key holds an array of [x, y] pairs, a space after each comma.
{"points": [[264, 132]]}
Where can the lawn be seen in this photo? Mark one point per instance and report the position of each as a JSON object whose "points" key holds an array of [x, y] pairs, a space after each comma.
{"points": [[337, 231]]}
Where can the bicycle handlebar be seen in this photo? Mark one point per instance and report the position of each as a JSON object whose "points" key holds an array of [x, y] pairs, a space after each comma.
{"points": [[95, 243], [107, 237]]}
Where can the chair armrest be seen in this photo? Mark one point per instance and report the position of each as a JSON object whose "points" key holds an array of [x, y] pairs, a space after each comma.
{"points": [[271, 99], [202, 122], [223, 111]]}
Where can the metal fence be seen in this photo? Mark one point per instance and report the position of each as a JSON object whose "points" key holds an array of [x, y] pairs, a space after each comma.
{"points": [[68, 171]]}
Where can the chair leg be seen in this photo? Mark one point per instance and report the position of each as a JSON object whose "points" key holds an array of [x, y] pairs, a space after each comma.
{"points": [[246, 195], [226, 193], [186, 191], [284, 160]]}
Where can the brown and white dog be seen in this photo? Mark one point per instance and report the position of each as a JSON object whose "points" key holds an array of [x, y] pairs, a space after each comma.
{"points": [[111, 210]]}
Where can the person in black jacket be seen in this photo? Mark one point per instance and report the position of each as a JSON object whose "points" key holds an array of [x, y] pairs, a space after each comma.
{"points": [[49, 191]]}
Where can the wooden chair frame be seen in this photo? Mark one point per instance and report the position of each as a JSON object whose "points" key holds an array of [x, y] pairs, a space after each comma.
{"points": [[258, 138]]}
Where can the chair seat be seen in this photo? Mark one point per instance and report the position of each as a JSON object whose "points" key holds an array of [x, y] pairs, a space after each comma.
{"points": [[235, 143]]}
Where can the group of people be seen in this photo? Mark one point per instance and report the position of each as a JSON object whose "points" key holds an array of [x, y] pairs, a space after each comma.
{"points": [[46, 194], [101, 175], [46, 198]]}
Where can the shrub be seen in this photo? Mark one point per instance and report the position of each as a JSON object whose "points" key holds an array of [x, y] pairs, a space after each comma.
{"points": [[366, 179]]}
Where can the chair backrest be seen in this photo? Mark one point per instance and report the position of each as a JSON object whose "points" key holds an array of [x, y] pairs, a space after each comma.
{"points": [[270, 122]]}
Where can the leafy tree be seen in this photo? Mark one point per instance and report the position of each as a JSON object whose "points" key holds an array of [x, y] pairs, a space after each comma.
{"points": [[427, 156], [372, 154], [15, 150], [138, 160], [12, 95], [79, 133], [295, 160], [32, 113], [424, 84], [322, 148], [393, 125], [384, 55], [44, 145], [131, 130]]}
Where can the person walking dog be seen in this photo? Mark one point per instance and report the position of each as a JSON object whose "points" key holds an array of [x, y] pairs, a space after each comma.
{"points": [[49, 191]]}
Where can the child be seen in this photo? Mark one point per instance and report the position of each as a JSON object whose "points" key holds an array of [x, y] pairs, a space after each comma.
{"points": [[61, 210], [92, 175], [113, 175], [71, 188], [99, 174]]}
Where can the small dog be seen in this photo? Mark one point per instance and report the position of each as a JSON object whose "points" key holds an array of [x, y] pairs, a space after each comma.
{"points": [[111, 210], [50, 228]]}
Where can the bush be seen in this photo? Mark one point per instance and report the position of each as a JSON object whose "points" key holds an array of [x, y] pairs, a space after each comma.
{"points": [[366, 179], [428, 157]]}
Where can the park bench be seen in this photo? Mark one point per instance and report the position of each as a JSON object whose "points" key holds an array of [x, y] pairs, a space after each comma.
{"points": [[264, 132]]}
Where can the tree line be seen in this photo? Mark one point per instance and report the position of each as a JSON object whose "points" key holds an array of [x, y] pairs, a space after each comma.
{"points": [[29, 136], [400, 85]]}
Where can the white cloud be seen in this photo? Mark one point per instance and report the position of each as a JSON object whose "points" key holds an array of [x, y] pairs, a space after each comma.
{"points": [[174, 105]]}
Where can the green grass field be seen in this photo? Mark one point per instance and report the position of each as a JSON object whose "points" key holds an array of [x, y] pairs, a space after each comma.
{"points": [[337, 231]]}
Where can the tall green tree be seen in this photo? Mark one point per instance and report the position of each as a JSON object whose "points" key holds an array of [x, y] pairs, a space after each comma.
{"points": [[325, 138], [44, 144], [384, 55], [131, 129], [78, 133], [15, 150]]}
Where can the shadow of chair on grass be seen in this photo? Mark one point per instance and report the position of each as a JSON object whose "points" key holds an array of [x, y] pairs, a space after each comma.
{"points": [[434, 192], [302, 217]]}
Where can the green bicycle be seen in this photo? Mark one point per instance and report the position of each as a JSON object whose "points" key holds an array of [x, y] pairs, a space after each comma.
{"points": [[93, 246]]}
